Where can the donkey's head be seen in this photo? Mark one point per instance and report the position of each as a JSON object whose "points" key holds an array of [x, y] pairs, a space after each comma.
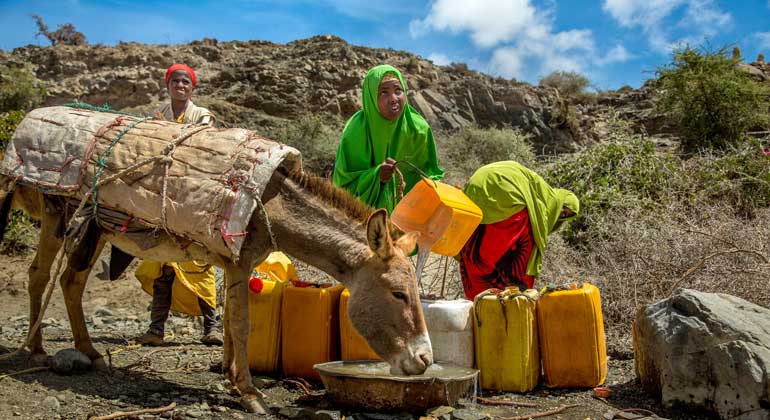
{"points": [[384, 301]]}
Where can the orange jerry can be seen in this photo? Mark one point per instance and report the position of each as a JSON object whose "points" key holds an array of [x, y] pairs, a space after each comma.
{"points": [[265, 296], [443, 214], [573, 347], [352, 345], [310, 328]]}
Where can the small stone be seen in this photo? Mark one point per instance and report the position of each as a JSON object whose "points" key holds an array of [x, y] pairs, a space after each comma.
{"points": [[18, 318], [102, 312], [327, 415], [193, 413], [69, 361], [261, 382], [468, 414], [51, 403], [219, 409], [439, 411], [218, 388], [290, 412], [16, 413]]}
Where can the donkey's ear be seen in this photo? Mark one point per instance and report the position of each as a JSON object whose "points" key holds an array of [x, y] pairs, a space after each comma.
{"points": [[407, 242], [378, 235]]}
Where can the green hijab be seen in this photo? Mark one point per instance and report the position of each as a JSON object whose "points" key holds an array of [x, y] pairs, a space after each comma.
{"points": [[369, 138], [502, 189]]}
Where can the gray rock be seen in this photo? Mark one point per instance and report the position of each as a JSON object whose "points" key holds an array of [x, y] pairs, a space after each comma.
{"points": [[193, 413], [103, 312], [51, 403], [709, 350], [69, 361]]}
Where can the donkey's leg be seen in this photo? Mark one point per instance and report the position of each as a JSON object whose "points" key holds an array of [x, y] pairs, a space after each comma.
{"points": [[39, 275], [237, 327], [73, 284]]}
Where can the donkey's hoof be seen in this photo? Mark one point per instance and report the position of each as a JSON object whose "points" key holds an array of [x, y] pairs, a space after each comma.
{"points": [[39, 359], [254, 404], [99, 365]]}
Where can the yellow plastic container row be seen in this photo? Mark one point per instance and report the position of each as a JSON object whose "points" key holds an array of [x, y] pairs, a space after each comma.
{"points": [[506, 342], [352, 345], [265, 312], [572, 341], [443, 214], [310, 328]]}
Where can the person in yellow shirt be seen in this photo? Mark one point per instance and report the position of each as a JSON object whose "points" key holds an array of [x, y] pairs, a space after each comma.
{"points": [[187, 287]]}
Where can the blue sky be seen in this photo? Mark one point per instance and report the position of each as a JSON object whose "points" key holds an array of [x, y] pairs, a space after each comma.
{"points": [[613, 42]]}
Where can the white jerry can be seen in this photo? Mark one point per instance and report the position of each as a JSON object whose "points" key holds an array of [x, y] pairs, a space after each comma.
{"points": [[450, 325]]}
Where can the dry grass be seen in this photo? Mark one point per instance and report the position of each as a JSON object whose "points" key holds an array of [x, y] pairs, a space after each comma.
{"points": [[648, 256]]}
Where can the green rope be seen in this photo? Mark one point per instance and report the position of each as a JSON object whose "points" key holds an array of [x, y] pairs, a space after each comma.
{"points": [[103, 108], [101, 162]]}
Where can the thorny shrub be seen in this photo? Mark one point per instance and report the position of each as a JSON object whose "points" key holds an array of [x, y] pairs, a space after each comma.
{"points": [[316, 141], [467, 150]]}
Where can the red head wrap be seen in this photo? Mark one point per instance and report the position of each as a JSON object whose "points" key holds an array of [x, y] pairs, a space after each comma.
{"points": [[184, 67]]}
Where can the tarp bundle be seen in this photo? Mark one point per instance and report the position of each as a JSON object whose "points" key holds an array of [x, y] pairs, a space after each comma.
{"points": [[212, 183]]}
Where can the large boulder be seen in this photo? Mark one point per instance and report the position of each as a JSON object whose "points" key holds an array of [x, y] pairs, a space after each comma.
{"points": [[706, 349]]}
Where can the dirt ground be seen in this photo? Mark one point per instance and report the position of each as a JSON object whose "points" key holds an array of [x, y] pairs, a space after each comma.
{"points": [[187, 373]]}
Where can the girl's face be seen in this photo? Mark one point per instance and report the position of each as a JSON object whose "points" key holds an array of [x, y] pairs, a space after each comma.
{"points": [[390, 99], [180, 85]]}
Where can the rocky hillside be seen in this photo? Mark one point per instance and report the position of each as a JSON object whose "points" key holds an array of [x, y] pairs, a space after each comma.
{"points": [[257, 83]]}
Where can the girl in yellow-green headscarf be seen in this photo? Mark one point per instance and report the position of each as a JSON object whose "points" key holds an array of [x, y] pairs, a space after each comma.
{"points": [[386, 131], [519, 210]]}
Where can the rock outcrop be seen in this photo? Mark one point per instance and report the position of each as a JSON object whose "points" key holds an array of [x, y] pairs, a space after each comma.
{"points": [[706, 349], [247, 83]]}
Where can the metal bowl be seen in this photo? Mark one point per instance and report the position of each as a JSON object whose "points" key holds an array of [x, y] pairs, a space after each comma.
{"points": [[367, 384]]}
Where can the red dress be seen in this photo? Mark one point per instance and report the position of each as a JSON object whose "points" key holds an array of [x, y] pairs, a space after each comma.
{"points": [[496, 256]]}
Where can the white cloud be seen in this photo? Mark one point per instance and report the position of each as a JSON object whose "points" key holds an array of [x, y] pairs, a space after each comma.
{"points": [[763, 39], [661, 24], [439, 59], [489, 22], [526, 44], [618, 54]]}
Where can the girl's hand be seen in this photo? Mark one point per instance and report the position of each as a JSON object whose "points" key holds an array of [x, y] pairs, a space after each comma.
{"points": [[386, 170]]}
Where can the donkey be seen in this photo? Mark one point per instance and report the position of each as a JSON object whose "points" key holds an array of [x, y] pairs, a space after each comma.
{"points": [[311, 220]]}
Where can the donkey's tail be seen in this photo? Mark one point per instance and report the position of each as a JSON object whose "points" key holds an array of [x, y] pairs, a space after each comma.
{"points": [[6, 198]]}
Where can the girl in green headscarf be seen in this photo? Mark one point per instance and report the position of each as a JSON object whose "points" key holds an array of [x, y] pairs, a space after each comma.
{"points": [[386, 131], [519, 210]]}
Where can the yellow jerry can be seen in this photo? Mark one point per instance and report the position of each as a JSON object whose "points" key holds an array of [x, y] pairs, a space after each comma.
{"points": [[352, 345], [505, 336], [443, 214], [310, 331], [572, 341], [266, 291]]}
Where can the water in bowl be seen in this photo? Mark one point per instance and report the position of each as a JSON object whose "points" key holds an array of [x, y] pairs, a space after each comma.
{"points": [[382, 369]]}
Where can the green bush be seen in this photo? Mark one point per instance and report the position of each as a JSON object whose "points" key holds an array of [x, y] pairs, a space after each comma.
{"points": [[612, 176], [316, 140], [739, 179], [19, 89], [471, 148], [8, 123], [712, 100]]}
